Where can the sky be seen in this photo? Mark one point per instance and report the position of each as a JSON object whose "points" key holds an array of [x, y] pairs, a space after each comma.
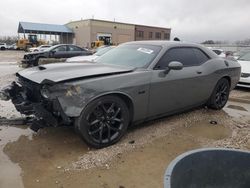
{"points": [[190, 20]]}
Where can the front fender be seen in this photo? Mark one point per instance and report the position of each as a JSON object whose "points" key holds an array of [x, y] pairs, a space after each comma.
{"points": [[74, 105]]}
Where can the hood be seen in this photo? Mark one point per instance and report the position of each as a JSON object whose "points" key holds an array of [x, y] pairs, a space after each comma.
{"points": [[35, 53], [59, 72], [245, 66]]}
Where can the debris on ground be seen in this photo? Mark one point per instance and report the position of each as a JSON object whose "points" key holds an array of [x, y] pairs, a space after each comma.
{"points": [[131, 142], [213, 122]]}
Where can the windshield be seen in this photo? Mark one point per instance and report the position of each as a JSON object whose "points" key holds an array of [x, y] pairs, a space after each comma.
{"points": [[52, 47], [103, 51], [45, 46], [135, 55], [245, 57]]}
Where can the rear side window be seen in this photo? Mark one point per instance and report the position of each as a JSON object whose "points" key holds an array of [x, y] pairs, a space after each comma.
{"points": [[187, 56], [201, 56]]}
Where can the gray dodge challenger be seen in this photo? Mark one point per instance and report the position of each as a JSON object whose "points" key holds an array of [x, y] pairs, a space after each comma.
{"points": [[130, 84]]}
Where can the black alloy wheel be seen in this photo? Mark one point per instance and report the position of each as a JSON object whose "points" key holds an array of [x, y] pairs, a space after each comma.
{"points": [[104, 121], [220, 94]]}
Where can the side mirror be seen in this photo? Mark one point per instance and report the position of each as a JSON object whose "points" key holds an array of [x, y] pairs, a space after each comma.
{"points": [[175, 65]]}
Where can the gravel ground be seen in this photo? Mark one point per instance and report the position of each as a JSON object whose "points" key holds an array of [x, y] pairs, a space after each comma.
{"points": [[240, 93], [11, 56]]}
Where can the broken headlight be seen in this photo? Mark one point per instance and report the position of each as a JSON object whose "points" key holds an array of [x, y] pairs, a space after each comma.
{"points": [[45, 92]]}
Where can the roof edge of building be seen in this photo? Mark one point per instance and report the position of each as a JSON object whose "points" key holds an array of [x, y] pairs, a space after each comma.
{"points": [[32, 27], [107, 21]]}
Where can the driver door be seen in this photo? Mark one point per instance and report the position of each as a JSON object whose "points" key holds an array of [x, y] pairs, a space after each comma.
{"points": [[59, 52], [177, 89]]}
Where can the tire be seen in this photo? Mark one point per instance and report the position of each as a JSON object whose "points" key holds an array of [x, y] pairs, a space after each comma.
{"points": [[36, 61], [3, 48], [220, 95], [103, 122]]}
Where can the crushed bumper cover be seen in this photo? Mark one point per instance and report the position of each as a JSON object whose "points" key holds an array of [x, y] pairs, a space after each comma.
{"points": [[46, 113]]}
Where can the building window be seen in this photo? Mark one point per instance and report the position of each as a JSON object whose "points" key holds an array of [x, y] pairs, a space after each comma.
{"points": [[166, 36], [140, 34], [150, 35], [158, 35]]}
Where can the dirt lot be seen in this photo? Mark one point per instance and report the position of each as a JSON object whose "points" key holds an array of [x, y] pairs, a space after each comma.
{"points": [[57, 157], [11, 56]]}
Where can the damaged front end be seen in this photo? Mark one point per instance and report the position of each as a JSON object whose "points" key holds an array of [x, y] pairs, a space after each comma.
{"points": [[29, 60], [30, 99]]}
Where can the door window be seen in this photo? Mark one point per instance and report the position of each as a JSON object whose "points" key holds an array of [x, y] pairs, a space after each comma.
{"points": [[201, 56], [186, 55], [60, 49]]}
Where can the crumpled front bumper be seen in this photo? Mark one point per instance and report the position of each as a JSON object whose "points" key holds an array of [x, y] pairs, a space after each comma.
{"points": [[28, 62], [46, 113]]}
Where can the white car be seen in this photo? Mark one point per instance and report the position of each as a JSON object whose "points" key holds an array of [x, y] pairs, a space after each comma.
{"points": [[240, 53], [3, 46], [93, 57], [12, 47], [39, 48], [245, 70], [219, 52]]}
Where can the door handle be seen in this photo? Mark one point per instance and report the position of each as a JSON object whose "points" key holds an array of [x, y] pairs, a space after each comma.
{"points": [[198, 72]]}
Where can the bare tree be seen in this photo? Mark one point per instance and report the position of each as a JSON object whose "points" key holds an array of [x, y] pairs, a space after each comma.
{"points": [[8, 39]]}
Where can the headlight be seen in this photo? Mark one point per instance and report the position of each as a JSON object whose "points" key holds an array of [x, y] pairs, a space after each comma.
{"points": [[45, 92]]}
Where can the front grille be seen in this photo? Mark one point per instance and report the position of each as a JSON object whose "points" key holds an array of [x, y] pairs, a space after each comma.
{"points": [[245, 75]]}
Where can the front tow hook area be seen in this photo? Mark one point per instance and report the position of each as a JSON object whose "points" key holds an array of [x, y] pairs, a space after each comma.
{"points": [[37, 124], [5, 93]]}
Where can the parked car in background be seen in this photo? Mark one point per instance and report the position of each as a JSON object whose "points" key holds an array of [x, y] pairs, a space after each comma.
{"points": [[39, 48], [244, 61], [57, 51], [238, 54], [219, 52], [134, 82], [13, 47], [3, 46], [93, 57]]}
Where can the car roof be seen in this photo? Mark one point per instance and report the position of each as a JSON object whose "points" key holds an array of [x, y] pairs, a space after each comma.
{"points": [[57, 45], [163, 43], [171, 44]]}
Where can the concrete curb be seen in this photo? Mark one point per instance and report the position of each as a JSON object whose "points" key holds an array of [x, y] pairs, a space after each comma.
{"points": [[241, 100]]}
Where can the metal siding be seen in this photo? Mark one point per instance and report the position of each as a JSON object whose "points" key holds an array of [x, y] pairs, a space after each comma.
{"points": [[38, 27]]}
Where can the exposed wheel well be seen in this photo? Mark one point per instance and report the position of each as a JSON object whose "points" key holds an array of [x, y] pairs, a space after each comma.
{"points": [[229, 79]]}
